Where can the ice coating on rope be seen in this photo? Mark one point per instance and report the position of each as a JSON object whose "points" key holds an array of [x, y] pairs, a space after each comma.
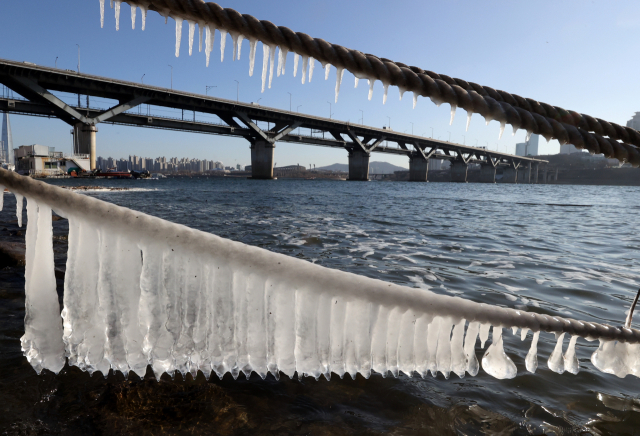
{"points": [[178, 35], [192, 31], [42, 341], [339, 75], [453, 113], [371, 83], [495, 361], [19, 207], [265, 64], [118, 2], [556, 360], [134, 9], [101, 13], [469, 114], [384, 96], [208, 43], [253, 43], [305, 64], [312, 63], [531, 361], [223, 43], [571, 363], [296, 60], [272, 59]]}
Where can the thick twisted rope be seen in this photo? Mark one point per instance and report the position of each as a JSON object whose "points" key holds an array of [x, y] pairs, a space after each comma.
{"points": [[595, 135]]}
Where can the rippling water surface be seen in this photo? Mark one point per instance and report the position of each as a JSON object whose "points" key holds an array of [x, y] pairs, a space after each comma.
{"points": [[560, 250]]}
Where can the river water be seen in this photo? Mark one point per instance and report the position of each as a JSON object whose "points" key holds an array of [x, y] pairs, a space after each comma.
{"points": [[561, 250]]}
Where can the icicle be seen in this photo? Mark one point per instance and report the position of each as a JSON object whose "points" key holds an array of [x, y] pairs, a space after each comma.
{"points": [[371, 83], [443, 353], [514, 330], [529, 133], [469, 114], [571, 363], [327, 68], [453, 113], [415, 99], [523, 334], [458, 357], [118, 2], [200, 36], [531, 361], [339, 75], [470, 348], [234, 41], [143, 9], [134, 9], [296, 60], [484, 334], [252, 55], [515, 130], [272, 59], [42, 341], [556, 361], [223, 43], [279, 71], [166, 19], [357, 80], [111, 4], [192, 30], [209, 40], [402, 91], [265, 64], [240, 39], [502, 126], [19, 207], [386, 91], [305, 64], [101, 13], [312, 63], [1, 197], [178, 35], [495, 362]]}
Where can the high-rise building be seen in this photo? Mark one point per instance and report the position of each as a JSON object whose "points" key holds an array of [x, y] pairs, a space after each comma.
{"points": [[634, 122], [6, 149], [529, 148]]}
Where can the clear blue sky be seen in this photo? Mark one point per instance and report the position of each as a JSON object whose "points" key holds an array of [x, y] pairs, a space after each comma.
{"points": [[580, 55]]}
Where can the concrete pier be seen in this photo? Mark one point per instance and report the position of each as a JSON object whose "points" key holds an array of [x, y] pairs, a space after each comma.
{"points": [[459, 171], [418, 168], [510, 175], [84, 137], [487, 173], [358, 165], [262, 159]]}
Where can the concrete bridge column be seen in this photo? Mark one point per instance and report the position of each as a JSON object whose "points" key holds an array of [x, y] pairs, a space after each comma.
{"points": [[487, 173], [418, 168], [262, 159], [358, 165], [84, 136], [510, 175], [459, 171]]}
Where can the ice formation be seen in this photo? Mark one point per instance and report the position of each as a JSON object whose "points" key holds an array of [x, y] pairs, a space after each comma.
{"points": [[141, 291], [192, 31], [133, 18], [178, 35]]}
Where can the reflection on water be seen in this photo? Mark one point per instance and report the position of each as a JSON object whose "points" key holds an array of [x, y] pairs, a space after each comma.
{"points": [[563, 250]]}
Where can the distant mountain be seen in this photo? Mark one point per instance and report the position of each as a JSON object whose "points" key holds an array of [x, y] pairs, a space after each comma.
{"points": [[374, 168]]}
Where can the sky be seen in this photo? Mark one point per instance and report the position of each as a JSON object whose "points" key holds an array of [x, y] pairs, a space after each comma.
{"points": [[579, 55]]}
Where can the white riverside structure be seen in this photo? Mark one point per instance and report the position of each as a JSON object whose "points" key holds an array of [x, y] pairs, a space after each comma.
{"points": [[35, 84], [191, 301]]}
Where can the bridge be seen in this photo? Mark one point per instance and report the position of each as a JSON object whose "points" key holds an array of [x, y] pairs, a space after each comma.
{"points": [[261, 126]]}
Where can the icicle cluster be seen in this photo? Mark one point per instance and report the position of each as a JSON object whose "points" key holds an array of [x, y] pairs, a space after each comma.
{"points": [[141, 291]]}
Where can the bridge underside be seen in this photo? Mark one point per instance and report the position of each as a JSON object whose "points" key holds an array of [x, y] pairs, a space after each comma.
{"points": [[37, 84]]}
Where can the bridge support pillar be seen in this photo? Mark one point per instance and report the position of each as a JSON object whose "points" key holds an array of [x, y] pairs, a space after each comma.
{"points": [[510, 175], [418, 168], [84, 138], [487, 173], [358, 165], [459, 171], [262, 159]]}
